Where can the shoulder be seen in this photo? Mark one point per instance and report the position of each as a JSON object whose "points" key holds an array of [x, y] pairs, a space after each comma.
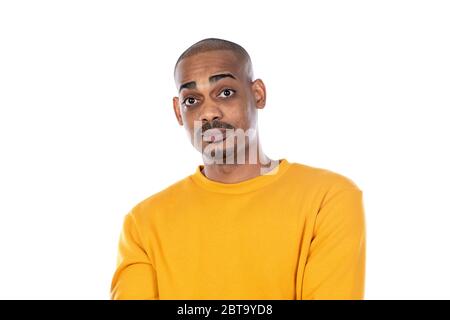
{"points": [[159, 201], [321, 179], [336, 198]]}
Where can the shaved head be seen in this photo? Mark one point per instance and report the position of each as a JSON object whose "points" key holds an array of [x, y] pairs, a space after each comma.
{"points": [[215, 44]]}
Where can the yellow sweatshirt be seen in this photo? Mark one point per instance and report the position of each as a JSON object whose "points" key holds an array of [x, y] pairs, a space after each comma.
{"points": [[295, 233]]}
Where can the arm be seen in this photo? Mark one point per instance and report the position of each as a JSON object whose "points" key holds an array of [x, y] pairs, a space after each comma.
{"points": [[135, 276], [335, 268]]}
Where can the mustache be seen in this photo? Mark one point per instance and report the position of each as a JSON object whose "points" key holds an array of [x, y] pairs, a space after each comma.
{"points": [[215, 124]]}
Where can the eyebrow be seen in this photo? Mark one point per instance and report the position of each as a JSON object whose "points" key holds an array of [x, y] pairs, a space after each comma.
{"points": [[212, 79]]}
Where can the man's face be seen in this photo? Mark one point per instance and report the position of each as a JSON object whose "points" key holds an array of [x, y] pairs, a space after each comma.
{"points": [[216, 97]]}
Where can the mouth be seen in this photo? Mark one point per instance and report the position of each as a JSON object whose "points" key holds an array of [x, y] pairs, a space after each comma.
{"points": [[213, 140], [215, 135]]}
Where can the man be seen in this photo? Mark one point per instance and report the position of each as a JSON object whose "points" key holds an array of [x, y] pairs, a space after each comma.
{"points": [[242, 226]]}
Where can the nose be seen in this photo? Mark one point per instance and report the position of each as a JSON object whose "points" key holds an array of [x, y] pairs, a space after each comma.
{"points": [[210, 113]]}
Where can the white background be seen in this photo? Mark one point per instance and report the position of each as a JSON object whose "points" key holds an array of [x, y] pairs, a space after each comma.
{"points": [[87, 128]]}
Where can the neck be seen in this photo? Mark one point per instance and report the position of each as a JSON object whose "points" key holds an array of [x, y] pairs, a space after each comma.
{"points": [[238, 172]]}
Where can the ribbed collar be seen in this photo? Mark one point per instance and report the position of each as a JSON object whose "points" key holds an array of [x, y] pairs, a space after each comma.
{"points": [[243, 186]]}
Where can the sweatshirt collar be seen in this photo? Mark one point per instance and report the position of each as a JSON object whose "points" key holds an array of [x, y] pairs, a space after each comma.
{"points": [[243, 186]]}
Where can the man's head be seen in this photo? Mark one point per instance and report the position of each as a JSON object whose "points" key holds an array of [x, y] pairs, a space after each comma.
{"points": [[214, 78]]}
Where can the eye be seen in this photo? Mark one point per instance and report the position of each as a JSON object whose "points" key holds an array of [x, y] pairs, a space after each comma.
{"points": [[189, 101], [225, 93]]}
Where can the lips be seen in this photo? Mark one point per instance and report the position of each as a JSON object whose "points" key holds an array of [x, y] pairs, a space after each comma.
{"points": [[214, 135], [213, 140]]}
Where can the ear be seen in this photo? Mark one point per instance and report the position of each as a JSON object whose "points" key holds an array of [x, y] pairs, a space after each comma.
{"points": [[259, 93], [176, 109]]}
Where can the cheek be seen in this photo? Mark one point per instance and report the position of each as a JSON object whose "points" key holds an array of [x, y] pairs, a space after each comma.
{"points": [[246, 115], [189, 120], [237, 112], [251, 110]]}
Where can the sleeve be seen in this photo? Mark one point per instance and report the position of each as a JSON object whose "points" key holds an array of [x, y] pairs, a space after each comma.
{"points": [[335, 267], [135, 276]]}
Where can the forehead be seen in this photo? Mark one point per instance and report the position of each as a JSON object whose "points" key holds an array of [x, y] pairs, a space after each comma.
{"points": [[203, 65]]}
